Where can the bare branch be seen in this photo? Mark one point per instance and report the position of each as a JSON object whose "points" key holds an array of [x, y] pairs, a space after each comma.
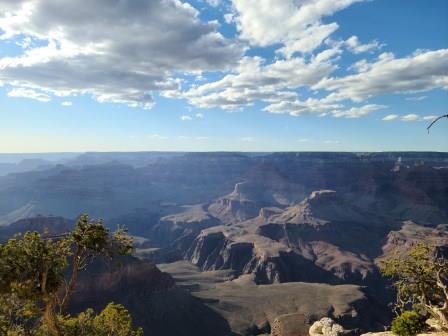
{"points": [[436, 120]]}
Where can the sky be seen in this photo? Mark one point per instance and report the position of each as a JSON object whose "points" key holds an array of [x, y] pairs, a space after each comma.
{"points": [[223, 75]]}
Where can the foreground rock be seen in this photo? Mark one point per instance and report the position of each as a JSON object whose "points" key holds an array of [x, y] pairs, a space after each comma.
{"points": [[326, 327], [390, 333]]}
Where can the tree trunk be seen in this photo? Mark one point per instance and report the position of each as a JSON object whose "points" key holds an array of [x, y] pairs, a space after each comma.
{"points": [[441, 315], [49, 317], [72, 282]]}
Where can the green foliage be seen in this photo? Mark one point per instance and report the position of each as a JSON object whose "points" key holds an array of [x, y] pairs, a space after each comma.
{"points": [[34, 293], [114, 320], [420, 278], [93, 238], [26, 263], [409, 323]]}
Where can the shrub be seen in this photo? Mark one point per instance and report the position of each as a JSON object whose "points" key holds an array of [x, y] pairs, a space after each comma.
{"points": [[409, 323], [420, 277]]}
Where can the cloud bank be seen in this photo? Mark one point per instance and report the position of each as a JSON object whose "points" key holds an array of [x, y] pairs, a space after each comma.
{"points": [[128, 51]]}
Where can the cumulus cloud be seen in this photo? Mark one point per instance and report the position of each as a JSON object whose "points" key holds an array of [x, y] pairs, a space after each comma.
{"points": [[429, 117], [356, 47], [307, 40], [409, 117], [67, 103], [266, 22], [357, 112], [185, 118], [275, 84], [294, 23], [421, 71], [116, 51], [254, 80], [228, 18], [29, 93], [122, 51], [390, 117], [298, 107], [416, 98]]}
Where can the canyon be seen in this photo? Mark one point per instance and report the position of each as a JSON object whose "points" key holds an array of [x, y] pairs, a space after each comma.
{"points": [[246, 240]]}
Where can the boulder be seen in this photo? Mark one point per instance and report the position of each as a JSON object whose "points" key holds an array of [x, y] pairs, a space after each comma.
{"points": [[326, 327]]}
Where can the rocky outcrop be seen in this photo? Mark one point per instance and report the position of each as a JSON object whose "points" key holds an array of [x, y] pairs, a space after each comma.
{"points": [[262, 187], [222, 248], [410, 233], [174, 227], [390, 333], [290, 325], [212, 251], [326, 327], [235, 207], [321, 239]]}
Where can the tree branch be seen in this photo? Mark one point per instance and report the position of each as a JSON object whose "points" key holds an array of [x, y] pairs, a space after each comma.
{"points": [[436, 120]]}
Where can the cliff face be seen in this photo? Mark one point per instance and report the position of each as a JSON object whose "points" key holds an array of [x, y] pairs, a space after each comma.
{"points": [[321, 239], [109, 185]]}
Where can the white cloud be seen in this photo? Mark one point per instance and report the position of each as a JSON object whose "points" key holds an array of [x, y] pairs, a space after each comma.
{"points": [[253, 80], [199, 115], [416, 98], [266, 22], [296, 24], [29, 93], [185, 118], [331, 142], [357, 112], [307, 40], [67, 103], [304, 140], [390, 117], [298, 107], [421, 71], [429, 117], [356, 47], [228, 18], [410, 117], [117, 52]]}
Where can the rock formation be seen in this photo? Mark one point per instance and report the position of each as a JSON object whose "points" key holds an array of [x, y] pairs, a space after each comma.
{"points": [[326, 327]]}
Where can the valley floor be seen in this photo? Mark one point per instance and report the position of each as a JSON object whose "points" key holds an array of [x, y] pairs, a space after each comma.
{"points": [[250, 307]]}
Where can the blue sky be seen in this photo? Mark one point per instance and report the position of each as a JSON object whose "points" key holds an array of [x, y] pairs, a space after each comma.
{"points": [[236, 75]]}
